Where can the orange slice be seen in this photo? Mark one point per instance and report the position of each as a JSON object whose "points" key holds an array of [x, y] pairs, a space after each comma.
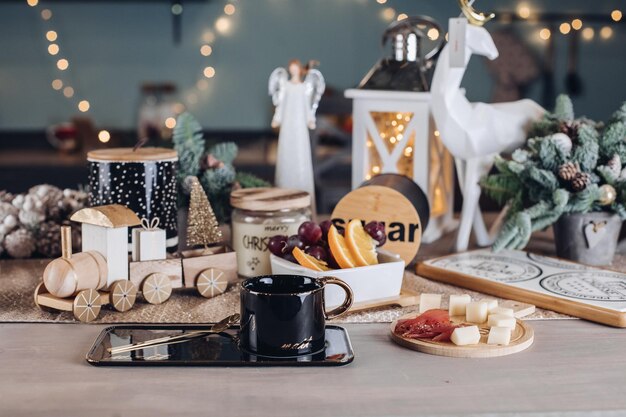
{"points": [[361, 245], [339, 249], [309, 261]]}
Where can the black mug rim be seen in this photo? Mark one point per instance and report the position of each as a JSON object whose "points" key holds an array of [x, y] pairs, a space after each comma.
{"points": [[257, 278]]}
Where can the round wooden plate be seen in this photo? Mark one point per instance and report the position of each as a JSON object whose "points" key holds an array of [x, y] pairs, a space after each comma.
{"points": [[521, 338]]}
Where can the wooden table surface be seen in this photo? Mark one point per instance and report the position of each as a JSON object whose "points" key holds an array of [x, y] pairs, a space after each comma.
{"points": [[572, 366]]}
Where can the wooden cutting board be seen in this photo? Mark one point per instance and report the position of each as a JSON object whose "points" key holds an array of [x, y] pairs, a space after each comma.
{"points": [[555, 284], [521, 338]]}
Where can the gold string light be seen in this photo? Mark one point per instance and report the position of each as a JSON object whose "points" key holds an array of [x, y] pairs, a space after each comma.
{"points": [[577, 24], [104, 136], [616, 15]]}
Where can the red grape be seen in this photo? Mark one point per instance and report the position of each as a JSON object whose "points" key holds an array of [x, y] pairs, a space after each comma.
{"points": [[310, 233], [377, 231], [289, 257], [325, 226], [277, 244], [293, 242], [317, 252]]}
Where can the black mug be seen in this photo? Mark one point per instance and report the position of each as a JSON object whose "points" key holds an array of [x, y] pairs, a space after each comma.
{"points": [[284, 315]]}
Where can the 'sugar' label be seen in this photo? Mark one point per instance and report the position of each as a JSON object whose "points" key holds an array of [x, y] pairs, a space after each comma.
{"points": [[250, 242]]}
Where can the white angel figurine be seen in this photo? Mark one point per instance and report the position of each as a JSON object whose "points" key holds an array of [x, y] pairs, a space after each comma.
{"points": [[296, 100]]}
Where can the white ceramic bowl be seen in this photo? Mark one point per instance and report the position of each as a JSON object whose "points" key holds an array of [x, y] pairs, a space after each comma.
{"points": [[368, 283]]}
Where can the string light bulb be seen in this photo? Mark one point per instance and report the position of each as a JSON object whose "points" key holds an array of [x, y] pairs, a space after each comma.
{"points": [[606, 32], [51, 35], [375, 169], [433, 34], [523, 11], [104, 136], [206, 50], [229, 9], [223, 24], [402, 16], [177, 9], [209, 72], [381, 1], [565, 28], [545, 34], [83, 106], [588, 34], [202, 84], [57, 84], [388, 13], [577, 24], [170, 123], [63, 64], [32, 3], [53, 49], [68, 92], [616, 15], [46, 14]]}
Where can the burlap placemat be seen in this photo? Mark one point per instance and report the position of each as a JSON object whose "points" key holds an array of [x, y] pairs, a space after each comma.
{"points": [[19, 278]]}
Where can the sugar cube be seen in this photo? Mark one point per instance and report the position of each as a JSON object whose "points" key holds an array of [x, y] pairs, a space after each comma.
{"points": [[491, 303], [429, 302], [462, 336], [476, 312], [503, 311], [498, 320], [499, 336], [457, 304]]}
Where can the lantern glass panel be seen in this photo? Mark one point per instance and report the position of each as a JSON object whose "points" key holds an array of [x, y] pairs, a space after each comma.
{"points": [[441, 182], [391, 128]]}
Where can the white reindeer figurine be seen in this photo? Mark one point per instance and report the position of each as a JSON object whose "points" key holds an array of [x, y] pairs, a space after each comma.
{"points": [[475, 133]]}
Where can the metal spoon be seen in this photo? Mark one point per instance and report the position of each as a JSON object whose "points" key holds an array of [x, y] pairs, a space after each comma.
{"points": [[167, 340]]}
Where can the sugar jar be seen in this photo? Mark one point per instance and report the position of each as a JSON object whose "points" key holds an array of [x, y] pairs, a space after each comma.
{"points": [[260, 213]]}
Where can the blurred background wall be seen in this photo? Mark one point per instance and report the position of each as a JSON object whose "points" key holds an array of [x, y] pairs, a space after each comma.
{"points": [[114, 46]]}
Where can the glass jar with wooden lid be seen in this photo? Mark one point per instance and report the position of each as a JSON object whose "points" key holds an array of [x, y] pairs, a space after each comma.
{"points": [[260, 213], [143, 179]]}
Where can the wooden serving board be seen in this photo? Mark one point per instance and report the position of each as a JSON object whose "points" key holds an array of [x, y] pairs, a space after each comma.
{"points": [[521, 338], [405, 299], [567, 287]]}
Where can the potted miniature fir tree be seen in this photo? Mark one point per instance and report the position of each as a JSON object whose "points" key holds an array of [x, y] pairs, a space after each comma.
{"points": [[568, 174]]}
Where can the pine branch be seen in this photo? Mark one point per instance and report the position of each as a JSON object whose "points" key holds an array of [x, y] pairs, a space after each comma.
{"points": [[501, 187], [189, 144], [564, 109], [247, 180], [587, 149], [224, 151]]}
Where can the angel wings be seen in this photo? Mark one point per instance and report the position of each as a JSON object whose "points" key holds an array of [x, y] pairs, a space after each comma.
{"points": [[301, 95]]}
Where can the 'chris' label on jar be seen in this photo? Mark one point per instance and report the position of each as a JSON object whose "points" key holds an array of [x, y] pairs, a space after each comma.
{"points": [[250, 241]]}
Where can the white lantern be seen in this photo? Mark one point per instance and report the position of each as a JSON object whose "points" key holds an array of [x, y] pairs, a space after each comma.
{"points": [[393, 131]]}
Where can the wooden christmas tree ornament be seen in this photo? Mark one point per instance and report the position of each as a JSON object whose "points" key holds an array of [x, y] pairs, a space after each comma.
{"points": [[202, 226], [212, 282], [157, 288]]}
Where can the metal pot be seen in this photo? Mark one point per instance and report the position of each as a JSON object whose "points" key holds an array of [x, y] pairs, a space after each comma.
{"points": [[589, 238]]}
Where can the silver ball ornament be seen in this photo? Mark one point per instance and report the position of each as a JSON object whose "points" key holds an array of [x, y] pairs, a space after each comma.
{"points": [[607, 194]]}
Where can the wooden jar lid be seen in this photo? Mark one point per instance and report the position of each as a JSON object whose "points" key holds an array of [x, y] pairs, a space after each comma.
{"points": [[384, 204], [269, 199], [131, 155]]}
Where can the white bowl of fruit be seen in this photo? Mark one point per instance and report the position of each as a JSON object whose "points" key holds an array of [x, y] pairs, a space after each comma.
{"points": [[352, 255]]}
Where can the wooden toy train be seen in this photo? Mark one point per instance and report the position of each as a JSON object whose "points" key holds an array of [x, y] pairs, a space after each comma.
{"points": [[103, 273]]}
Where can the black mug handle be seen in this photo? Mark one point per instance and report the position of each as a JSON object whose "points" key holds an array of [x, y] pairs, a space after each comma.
{"points": [[347, 302]]}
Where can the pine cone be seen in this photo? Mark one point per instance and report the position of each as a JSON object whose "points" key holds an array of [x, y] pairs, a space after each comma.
{"points": [[580, 181], [568, 171], [20, 243], [49, 239], [570, 129]]}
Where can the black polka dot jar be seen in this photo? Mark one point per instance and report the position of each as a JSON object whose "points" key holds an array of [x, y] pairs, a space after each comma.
{"points": [[143, 180]]}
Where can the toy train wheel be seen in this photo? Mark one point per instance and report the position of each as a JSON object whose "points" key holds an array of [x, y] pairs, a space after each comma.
{"points": [[87, 305], [39, 289], [157, 288], [122, 295], [211, 282]]}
